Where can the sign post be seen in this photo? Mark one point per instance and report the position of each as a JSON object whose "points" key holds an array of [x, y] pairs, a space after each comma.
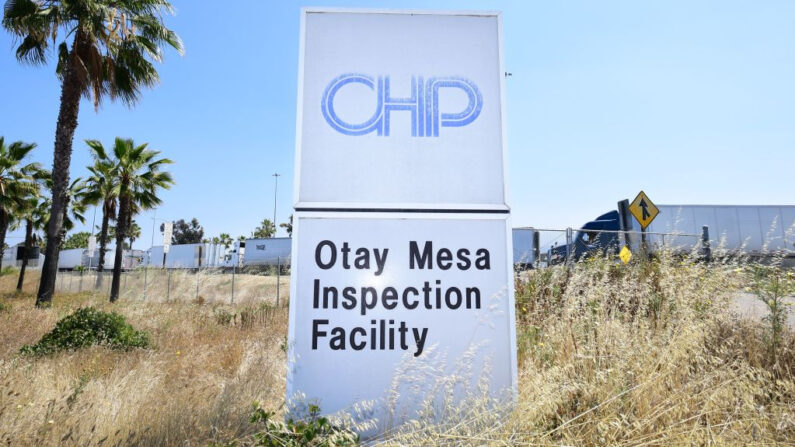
{"points": [[92, 247], [402, 270], [168, 230]]}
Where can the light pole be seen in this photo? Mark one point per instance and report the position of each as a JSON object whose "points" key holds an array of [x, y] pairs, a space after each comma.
{"points": [[152, 244], [275, 188]]}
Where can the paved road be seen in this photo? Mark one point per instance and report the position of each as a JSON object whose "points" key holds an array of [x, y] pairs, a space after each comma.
{"points": [[749, 306]]}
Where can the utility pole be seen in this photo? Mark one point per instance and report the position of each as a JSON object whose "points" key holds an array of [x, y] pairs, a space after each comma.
{"points": [[275, 188]]}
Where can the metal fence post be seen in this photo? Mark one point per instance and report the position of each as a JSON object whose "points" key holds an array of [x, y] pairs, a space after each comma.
{"points": [[80, 284], [234, 269], [278, 277], [197, 284], [568, 244], [70, 281], [168, 286], [706, 250]]}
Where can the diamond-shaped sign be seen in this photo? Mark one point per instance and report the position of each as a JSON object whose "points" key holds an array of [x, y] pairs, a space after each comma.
{"points": [[625, 255], [643, 209]]}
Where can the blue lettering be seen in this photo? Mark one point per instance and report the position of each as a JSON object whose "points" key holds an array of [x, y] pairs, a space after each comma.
{"points": [[427, 115]]}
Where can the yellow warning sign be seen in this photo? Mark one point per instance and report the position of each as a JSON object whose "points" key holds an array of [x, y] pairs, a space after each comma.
{"points": [[643, 209], [625, 255]]}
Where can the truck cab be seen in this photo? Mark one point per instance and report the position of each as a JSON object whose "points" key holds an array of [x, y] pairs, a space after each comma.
{"points": [[590, 240]]}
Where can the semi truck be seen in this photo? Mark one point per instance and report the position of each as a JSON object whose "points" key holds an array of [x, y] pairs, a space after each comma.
{"points": [[753, 230]]}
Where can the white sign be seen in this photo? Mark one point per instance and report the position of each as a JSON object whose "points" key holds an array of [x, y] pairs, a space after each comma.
{"points": [[380, 303], [168, 229], [400, 110], [402, 276], [92, 245]]}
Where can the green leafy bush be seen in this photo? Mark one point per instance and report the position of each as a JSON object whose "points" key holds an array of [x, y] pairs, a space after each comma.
{"points": [[86, 327], [314, 431]]}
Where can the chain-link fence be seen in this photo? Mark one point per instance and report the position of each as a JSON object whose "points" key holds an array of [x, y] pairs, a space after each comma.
{"points": [[268, 284]]}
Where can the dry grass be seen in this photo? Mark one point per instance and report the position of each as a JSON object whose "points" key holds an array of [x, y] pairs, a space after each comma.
{"points": [[647, 354], [196, 385]]}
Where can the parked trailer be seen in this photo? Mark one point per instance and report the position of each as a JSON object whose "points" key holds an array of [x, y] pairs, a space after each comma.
{"points": [[525, 247], [71, 259], [182, 256], [756, 230], [268, 251], [131, 259]]}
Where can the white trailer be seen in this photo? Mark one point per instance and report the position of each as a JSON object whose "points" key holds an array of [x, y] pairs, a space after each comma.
{"points": [[524, 250], [271, 251], [751, 229], [183, 256], [72, 258], [131, 259]]}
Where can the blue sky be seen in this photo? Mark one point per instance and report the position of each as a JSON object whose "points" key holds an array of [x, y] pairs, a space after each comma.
{"points": [[693, 102]]}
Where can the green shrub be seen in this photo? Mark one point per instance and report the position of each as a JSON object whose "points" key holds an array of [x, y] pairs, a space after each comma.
{"points": [[314, 430], [86, 327]]}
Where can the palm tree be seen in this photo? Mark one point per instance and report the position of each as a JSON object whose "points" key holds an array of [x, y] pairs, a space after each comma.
{"points": [[78, 199], [113, 46], [225, 239], [16, 183], [133, 233], [288, 226], [266, 229], [36, 215], [138, 172], [104, 189]]}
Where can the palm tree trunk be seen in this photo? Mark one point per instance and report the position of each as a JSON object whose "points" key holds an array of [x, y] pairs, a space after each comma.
{"points": [[64, 134], [3, 230], [103, 246], [28, 248], [122, 225]]}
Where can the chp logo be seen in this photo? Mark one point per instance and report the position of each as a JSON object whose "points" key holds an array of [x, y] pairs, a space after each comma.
{"points": [[427, 114]]}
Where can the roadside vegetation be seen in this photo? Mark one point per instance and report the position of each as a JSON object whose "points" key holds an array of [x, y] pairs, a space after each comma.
{"points": [[647, 353]]}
